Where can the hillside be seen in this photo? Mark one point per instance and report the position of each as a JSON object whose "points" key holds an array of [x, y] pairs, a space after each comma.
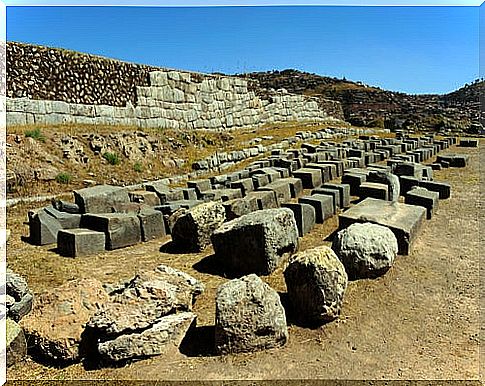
{"points": [[365, 105]]}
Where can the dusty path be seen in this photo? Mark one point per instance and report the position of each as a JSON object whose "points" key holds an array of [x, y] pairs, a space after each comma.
{"points": [[419, 321]]}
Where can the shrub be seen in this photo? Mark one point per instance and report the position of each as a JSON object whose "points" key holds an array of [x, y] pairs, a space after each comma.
{"points": [[112, 158], [138, 167], [35, 134], [64, 178]]}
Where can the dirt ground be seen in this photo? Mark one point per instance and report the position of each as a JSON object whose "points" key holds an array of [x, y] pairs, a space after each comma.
{"points": [[419, 321]]}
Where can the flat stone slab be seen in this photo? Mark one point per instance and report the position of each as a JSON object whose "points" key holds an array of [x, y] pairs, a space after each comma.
{"points": [[80, 242], [403, 220]]}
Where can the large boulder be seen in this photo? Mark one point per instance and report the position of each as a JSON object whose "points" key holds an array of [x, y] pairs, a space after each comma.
{"points": [[193, 229], [55, 325], [367, 250], [257, 242], [249, 316], [19, 296], [316, 281], [134, 324], [15, 343]]}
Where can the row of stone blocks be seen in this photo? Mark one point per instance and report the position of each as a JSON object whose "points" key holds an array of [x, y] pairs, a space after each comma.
{"points": [[270, 193]]}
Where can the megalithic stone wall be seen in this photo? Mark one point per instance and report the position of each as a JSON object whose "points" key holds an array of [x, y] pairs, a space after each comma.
{"points": [[167, 99]]}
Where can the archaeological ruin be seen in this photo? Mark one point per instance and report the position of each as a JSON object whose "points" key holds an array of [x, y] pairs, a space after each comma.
{"points": [[268, 244]]}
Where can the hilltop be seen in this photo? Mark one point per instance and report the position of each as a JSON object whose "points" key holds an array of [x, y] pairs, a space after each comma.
{"points": [[365, 105]]}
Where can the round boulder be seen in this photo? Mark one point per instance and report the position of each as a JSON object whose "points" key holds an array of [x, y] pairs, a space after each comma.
{"points": [[316, 283], [249, 316], [367, 250]]}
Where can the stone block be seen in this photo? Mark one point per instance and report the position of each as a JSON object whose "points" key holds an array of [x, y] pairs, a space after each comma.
{"points": [[151, 223], [326, 170], [192, 230], [454, 160], [257, 242], [374, 190], [260, 180], [265, 199], [164, 192], [144, 197], [404, 220], [200, 185], [323, 206], [43, 228], [424, 198], [245, 185], [344, 193], [100, 199], [296, 186], [311, 178], [335, 194], [304, 216], [239, 207], [443, 188], [67, 220], [409, 169], [354, 180], [80, 242], [272, 173], [281, 188], [121, 229], [407, 183], [468, 143]]}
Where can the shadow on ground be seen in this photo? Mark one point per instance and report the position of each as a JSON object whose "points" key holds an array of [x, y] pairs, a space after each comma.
{"points": [[199, 341]]}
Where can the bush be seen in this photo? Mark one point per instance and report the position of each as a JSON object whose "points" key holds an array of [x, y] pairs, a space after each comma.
{"points": [[138, 167], [64, 178], [112, 158], [35, 134]]}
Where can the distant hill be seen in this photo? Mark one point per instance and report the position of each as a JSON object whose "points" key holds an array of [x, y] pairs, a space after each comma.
{"points": [[366, 105]]}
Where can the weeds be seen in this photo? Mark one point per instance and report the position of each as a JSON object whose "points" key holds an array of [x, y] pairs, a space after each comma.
{"points": [[64, 178], [35, 134], [112, 158], [138, 167]]}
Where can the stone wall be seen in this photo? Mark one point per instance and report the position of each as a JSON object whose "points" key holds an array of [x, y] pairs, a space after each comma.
{"points": [[45, 73], [133, 95]]}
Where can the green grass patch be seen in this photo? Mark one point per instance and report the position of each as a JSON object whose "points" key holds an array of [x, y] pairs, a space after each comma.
{"points": [[35, 134], [64, 178], [112, 158], [138, 167]]}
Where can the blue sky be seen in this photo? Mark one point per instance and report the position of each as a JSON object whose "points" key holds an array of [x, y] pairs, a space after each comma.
{"points": [[411, 49]]}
